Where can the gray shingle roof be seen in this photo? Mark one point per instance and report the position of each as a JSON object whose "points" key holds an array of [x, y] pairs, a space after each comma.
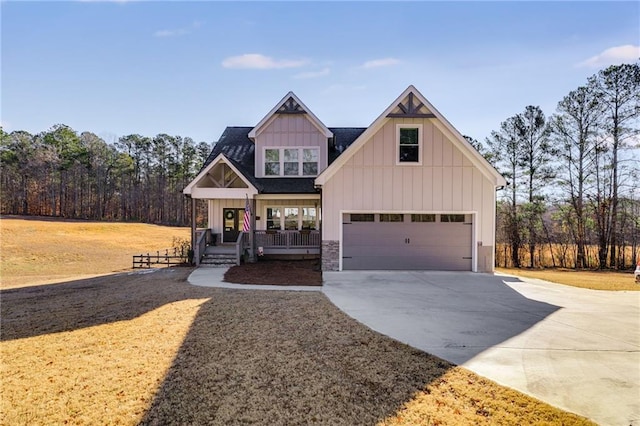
{"points": [[240, 150]]}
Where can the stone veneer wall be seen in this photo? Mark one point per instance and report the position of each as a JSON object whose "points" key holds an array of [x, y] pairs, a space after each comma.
{"points": [[330, 255]]}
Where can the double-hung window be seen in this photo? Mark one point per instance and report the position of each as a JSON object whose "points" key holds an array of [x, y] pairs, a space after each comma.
{"points": [[292, 218], [272, 162], [409, 144], [291, 165], [309, 161], [291, 162]]}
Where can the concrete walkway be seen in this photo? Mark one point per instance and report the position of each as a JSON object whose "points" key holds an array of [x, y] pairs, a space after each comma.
{"points": [[573, 348]]}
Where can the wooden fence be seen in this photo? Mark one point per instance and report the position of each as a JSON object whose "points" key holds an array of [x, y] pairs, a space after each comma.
{"points": [[169, 257]]}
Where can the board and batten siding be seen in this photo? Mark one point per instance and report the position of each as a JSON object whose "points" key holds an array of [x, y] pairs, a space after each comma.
{"points": [[294, 130], [447, 181]]}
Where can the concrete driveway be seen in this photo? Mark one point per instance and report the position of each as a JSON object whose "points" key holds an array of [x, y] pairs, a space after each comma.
{"points": [[575, 349]]}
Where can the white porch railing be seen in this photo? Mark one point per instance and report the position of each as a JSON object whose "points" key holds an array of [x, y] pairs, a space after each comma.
{"points": [[272, 242], [287, 239]]}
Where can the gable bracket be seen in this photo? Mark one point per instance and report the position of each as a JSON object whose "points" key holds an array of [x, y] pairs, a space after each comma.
{"points": [[410, 110], [291, 107]]}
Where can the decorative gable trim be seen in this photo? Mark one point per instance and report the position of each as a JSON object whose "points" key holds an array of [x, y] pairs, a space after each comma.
{"points": [[290, 104], [411, 110], [291, 107], [220, 159], [439, 121]]}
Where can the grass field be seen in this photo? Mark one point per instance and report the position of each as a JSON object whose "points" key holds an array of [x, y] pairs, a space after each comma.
{"points": [[132, 348], [595, 280], [147, 348], [38, 251]]}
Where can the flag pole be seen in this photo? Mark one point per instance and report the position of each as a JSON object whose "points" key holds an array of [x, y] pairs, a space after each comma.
{"points": [[252, 241], [248, 224]]}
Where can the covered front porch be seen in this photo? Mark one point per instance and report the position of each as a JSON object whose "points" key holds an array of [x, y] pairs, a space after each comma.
{"points": [[281, 222], [283, 243]]}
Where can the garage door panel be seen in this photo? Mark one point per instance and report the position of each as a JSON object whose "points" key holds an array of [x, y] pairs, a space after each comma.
{"points": [[406, 263], [407, 245]]}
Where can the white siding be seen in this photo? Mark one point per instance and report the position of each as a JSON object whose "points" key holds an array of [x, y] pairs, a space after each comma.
{"points": [[293, 130], [446, 182]]}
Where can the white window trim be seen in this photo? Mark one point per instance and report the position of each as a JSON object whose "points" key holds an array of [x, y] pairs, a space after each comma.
{"points": [[300, 216], [281, 159], [420, 144]]}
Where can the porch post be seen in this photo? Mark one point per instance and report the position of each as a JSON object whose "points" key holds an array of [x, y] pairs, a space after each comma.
{"points": [[196, 255], [252, 239]]}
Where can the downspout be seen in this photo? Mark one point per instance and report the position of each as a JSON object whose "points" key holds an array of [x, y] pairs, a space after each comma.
{"points": [[495, 228]]}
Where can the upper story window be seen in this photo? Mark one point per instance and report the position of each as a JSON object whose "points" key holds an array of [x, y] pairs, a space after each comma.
{"points": [[272, 162], [409, 144], [291, 162]]}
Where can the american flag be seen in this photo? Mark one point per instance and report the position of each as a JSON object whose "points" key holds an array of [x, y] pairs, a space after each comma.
{"points": [[246, 222]]}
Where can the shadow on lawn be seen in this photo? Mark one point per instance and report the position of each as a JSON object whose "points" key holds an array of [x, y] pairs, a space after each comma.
{"points": [[256, 356], [286, 358], [53, 308]]}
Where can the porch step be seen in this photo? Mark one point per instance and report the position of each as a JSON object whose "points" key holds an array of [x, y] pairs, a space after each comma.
{"points": [[221, 260]]}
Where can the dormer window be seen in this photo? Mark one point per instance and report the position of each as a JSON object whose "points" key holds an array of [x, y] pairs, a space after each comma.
{"points": [[291, 162], [272, 162]]}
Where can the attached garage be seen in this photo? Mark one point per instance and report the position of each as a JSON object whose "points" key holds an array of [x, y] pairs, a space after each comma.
{"points": [[410, 192], [403, 241]]}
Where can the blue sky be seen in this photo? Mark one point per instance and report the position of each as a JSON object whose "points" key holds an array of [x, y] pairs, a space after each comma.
{"points": [[192, 68]]}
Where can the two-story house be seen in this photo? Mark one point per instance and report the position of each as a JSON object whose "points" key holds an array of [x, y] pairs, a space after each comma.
{"points": [[407, 192]]}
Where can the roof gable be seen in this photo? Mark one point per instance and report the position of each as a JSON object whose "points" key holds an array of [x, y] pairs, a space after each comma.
{"points": [[225, 180], [412, 104], [290, 104], [238, 151]]}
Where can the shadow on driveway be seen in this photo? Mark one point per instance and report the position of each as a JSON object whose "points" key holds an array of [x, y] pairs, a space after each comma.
{"points": [[454, 315]]}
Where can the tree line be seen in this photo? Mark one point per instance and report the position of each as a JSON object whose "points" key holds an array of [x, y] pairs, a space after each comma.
{"points": [[61, 172], [573, 198]]}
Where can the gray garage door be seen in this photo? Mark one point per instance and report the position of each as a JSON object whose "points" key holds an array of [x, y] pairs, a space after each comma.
{"points": [[419, 242]]}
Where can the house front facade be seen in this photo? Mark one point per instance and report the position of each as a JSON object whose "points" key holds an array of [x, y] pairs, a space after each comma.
{"points": [[407, 192]]}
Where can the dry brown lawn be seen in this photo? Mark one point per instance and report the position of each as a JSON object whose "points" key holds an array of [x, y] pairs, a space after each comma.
{"points": [[39, 251], [595, 280], [149, 348], [152, 349]]}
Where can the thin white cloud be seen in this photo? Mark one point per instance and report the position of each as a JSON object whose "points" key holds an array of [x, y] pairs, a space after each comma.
{"points": [[261, 62], [613, 56], [179, 31], [170, 33], [377, 63], [313, 74]]}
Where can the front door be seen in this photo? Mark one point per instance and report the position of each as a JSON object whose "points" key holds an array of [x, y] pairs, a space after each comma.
{"points": [[232, 224]]}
